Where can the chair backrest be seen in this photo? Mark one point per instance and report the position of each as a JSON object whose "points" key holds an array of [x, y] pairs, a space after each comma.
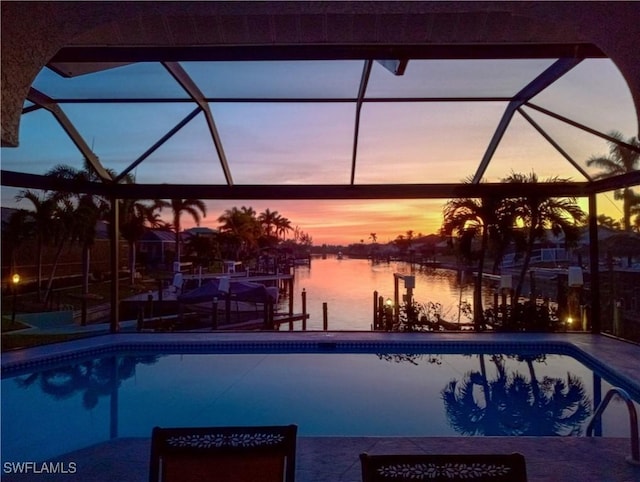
{"points": [[440, 468], [238, 454]]}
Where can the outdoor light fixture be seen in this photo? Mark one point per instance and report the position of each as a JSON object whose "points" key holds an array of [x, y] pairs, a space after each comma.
{"points": [[569, 320], [15, 279], [389, 303]]}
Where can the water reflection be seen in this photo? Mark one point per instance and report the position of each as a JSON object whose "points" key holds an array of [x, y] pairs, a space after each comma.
{"points": [[413, 358], [510, 404], [347, 287], [93, 378]]}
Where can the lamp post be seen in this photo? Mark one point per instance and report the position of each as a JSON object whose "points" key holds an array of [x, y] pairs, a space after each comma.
{"points": [[15, 280]]}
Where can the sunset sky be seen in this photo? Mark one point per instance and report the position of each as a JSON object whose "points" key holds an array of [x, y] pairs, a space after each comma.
{"points": [[311, 143]]}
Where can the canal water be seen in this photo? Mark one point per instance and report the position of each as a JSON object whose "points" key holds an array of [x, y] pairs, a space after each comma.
{"points": [[347, 286]]}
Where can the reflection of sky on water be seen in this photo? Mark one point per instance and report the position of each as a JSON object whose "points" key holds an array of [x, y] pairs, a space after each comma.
{"points": [[325, 394], [347, 287]]}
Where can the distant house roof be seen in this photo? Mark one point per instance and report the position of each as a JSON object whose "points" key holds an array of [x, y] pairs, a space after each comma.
{"points": [[159, 235], [200, 231], [6, 213]]}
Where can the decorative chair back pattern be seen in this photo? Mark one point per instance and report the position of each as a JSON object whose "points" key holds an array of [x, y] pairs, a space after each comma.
{"points": [[443, 468], [223, 454]]}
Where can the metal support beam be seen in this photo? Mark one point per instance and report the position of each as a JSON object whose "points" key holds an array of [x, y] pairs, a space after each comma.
{"points": [[495, 141], [194, 92], [533, 88], [114, 320], [162, 140], [299, 191], [612, 183], [49, 104], [327, 51], [583, 127], [594, 262], [544, 134], [364, 80]]}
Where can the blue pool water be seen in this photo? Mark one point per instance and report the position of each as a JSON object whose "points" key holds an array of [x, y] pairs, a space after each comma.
{"points": [[55, 409]]}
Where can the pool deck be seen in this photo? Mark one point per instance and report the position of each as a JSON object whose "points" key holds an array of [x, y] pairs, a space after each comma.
{"points": [[553, 459]]}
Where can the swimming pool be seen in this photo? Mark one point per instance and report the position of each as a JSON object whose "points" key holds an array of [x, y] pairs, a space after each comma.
{"points": [[54, 405]]}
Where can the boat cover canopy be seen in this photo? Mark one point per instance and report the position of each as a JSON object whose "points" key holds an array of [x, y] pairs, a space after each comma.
{"points": [[240, 291]]}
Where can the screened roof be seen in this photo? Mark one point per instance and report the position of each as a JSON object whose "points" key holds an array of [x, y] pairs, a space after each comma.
{"points": [[351, 103], [326, 121]]}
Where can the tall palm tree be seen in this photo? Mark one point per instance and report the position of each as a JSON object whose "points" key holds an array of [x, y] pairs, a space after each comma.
{"points": [[41, 217], [268, 219], [135, 216], [537, 213], [196, 208], [89, 209], [242, 226], [283, 226], [620, 161], [468, 217], [63, 223]]}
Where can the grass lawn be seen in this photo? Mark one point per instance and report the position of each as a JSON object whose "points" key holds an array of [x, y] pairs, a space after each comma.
{"points": [[11, 341], [65, 298]]}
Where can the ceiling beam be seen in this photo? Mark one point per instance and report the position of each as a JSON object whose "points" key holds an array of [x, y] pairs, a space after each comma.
{"points": [[533, 88], [160, 142], [141, 53], [364, 80], [187, 83], [577, 125], [298, 192], [612, 183], [49, 104], [557, 146]]}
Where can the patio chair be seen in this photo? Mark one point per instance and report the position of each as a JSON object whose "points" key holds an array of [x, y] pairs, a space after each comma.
{"points": [[223, 454], [440, 468]]}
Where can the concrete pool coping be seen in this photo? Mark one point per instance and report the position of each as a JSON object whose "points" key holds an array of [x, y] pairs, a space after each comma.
{"points": [[336, 458]]}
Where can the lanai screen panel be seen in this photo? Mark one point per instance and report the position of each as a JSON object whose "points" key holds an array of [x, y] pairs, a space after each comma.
{"points": [[295, 122]]}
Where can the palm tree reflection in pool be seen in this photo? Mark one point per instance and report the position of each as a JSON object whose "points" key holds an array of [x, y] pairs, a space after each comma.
{"points": [[510, 405], [93, 378]]}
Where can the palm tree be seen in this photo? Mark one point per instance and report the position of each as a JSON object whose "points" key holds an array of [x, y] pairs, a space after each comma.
{"points": [[468, 217], [242, 226], [283, 225], [63, 223], [41, 216], [537, 213], [89, 209], [268, 219], [196, 208], [135, 216], [373, 237], [620, 161]]}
